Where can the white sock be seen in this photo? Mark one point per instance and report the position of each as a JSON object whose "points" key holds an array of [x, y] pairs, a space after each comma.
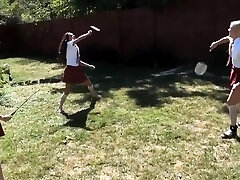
{"points": [[233, 114]]}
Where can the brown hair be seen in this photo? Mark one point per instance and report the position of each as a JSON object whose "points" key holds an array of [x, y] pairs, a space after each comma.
{"points": [[62, 49]]}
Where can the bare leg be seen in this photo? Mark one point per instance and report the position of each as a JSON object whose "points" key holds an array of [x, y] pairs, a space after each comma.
{"points": [[234, 96], [93, 93], [64, 97], [1, 174], [233, 99], [233, 114]]}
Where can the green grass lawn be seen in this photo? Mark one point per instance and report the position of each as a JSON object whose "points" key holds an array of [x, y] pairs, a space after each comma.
{"points": [[144, 127]]}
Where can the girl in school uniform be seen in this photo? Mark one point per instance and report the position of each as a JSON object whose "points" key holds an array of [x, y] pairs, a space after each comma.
{"points": [[74, 72]]}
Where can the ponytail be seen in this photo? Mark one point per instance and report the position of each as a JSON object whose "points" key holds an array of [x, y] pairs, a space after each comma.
{"points": [[62, 49]]}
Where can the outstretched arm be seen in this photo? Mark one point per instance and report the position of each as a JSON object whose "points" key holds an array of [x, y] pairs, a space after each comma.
{"points": [[84, 64], [223, 40], [83, 36]]}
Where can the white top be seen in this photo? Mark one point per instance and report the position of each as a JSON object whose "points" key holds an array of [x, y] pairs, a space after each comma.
{"points": [[71, 55], [236, 53]]}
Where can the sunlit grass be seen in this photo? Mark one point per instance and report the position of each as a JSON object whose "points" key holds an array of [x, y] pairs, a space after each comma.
{"points": [[23, 69], [157, 129]]}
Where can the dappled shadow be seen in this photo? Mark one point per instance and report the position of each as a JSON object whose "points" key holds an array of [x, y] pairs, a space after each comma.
{"points": [[152, 97], [238, 139], [74, 89], [144, 97], [79, 118], [57, 90], [151, 87], [53, 79]]}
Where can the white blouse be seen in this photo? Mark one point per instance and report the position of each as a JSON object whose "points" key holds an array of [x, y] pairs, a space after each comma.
{"points": [[73, 54], [236, 53]]}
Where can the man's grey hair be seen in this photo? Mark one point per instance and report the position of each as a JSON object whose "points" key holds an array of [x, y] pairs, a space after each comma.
{"points": [[235, 23]]}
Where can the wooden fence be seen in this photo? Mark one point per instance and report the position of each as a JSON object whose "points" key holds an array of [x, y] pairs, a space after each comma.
{"points": [[137, 36]]}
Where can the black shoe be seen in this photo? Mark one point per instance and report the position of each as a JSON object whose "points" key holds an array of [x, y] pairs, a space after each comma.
{"points": [[92, 105], [231, 133], [61, 111]]}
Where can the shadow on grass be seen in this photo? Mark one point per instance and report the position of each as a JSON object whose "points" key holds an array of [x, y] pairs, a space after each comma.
{"points": [[152, 87], [238, 139], [79, 118]]}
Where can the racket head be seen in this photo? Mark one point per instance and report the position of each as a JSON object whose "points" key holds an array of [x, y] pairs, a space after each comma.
{"points": [[95, 28], [200, 68]]}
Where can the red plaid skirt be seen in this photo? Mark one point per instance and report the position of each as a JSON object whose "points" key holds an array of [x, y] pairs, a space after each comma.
{"points": [[235, 75], [74, 75]]}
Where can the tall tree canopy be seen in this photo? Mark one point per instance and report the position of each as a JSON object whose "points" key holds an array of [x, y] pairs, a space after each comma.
{"points": [[25, 11]]}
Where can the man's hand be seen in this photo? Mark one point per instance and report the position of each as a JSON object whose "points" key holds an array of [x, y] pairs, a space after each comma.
{"points": [[6, 117]]}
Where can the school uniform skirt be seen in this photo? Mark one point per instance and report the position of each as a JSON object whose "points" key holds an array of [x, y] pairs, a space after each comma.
{"points": [[234, 75], [74, 75]]}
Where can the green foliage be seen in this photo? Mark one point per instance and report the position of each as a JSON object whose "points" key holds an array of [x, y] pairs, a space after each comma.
{"points": [[4, 11], [61, 9], [25, 11], [4, 74], [4, 78]]}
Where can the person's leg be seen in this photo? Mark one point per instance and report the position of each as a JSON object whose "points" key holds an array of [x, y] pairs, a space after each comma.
{"points": [[1, 173], [238, 106], [233, 99], [93, 93], [64, 96]]}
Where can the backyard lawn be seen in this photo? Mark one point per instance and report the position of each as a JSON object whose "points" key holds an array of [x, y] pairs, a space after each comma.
{"points": [[148, 125]]}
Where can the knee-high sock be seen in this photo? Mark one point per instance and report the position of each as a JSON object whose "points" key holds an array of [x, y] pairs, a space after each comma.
{"points": [[63, 99], [233, 114], [92, 91]]}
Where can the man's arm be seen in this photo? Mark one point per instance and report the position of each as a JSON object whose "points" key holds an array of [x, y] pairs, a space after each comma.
{"points": [[223, 40]]}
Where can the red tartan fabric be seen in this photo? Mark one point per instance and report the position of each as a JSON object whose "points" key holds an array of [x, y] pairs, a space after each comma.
{"points": [[74, 75], [234, 75]]}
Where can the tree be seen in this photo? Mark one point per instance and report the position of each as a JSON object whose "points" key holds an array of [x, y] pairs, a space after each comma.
{"points": [[25, 11]]}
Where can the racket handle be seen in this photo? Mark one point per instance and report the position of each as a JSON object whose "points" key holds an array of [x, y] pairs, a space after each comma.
{"points": [[13, 112]]}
